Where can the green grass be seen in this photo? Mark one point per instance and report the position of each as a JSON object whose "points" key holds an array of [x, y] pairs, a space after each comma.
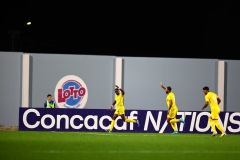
{"points": [[35, 145]]}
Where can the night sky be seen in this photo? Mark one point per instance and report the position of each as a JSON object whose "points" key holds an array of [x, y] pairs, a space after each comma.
{"points": [[204, 29]]}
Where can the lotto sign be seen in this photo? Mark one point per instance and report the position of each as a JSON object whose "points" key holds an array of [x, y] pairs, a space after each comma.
{"points": [[71, 92]]}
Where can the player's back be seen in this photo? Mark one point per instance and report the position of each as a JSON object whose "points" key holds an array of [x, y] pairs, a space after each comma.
{"points": [[211, 98]]}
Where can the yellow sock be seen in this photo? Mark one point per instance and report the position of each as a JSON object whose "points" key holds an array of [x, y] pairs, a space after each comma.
{"points": [[112, 125], [219, 126], [174, 126], [212, 124], [175, 120], [130, 120]]}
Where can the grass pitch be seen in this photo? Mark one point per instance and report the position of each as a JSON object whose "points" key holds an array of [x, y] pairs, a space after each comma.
{"points": [[34, 145]]}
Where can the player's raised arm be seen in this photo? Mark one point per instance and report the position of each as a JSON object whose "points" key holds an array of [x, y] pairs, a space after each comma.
{"points": [[122, 91], [163, 87]]}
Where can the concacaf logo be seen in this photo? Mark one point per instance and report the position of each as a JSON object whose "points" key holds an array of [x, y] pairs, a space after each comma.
{"points": [[71, 92]]}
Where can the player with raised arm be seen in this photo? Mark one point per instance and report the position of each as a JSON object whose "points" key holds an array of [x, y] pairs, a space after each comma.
{"points": [[172, 108], [213, 100], [120, 109]]}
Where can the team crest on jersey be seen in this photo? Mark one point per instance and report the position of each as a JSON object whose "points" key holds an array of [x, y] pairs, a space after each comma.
{"points": [[71, 92]]}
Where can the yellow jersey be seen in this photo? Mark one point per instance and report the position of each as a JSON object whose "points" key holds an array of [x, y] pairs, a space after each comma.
{"points": [[119, 100], [211, 98], [171, 97]]}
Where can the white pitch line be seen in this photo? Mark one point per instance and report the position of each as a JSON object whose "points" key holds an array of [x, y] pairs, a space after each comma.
{"points": [[142, 134], [119, 134], [147, 134]]}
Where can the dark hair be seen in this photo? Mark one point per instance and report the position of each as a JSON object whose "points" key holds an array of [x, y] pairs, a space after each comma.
{"points": [[49, 95], [206, 88], [169, 88]]}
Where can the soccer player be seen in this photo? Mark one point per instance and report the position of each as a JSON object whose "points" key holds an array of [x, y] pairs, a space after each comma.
{"points": [[172, 108], [213, 100], [120, 109]]}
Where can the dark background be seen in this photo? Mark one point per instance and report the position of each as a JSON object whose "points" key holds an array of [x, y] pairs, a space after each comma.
{"points": [[204, 29]]}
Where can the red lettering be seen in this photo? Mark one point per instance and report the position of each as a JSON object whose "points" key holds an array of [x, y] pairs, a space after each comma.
{"points": [[63, 95], [81, 91], [60, 98]]}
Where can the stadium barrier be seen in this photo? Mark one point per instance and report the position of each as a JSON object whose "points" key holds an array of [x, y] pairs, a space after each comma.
{"points": [[97, 120]]}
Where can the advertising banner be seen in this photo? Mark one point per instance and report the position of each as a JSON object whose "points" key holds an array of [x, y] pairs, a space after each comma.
{"points": [[98, 120]]}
